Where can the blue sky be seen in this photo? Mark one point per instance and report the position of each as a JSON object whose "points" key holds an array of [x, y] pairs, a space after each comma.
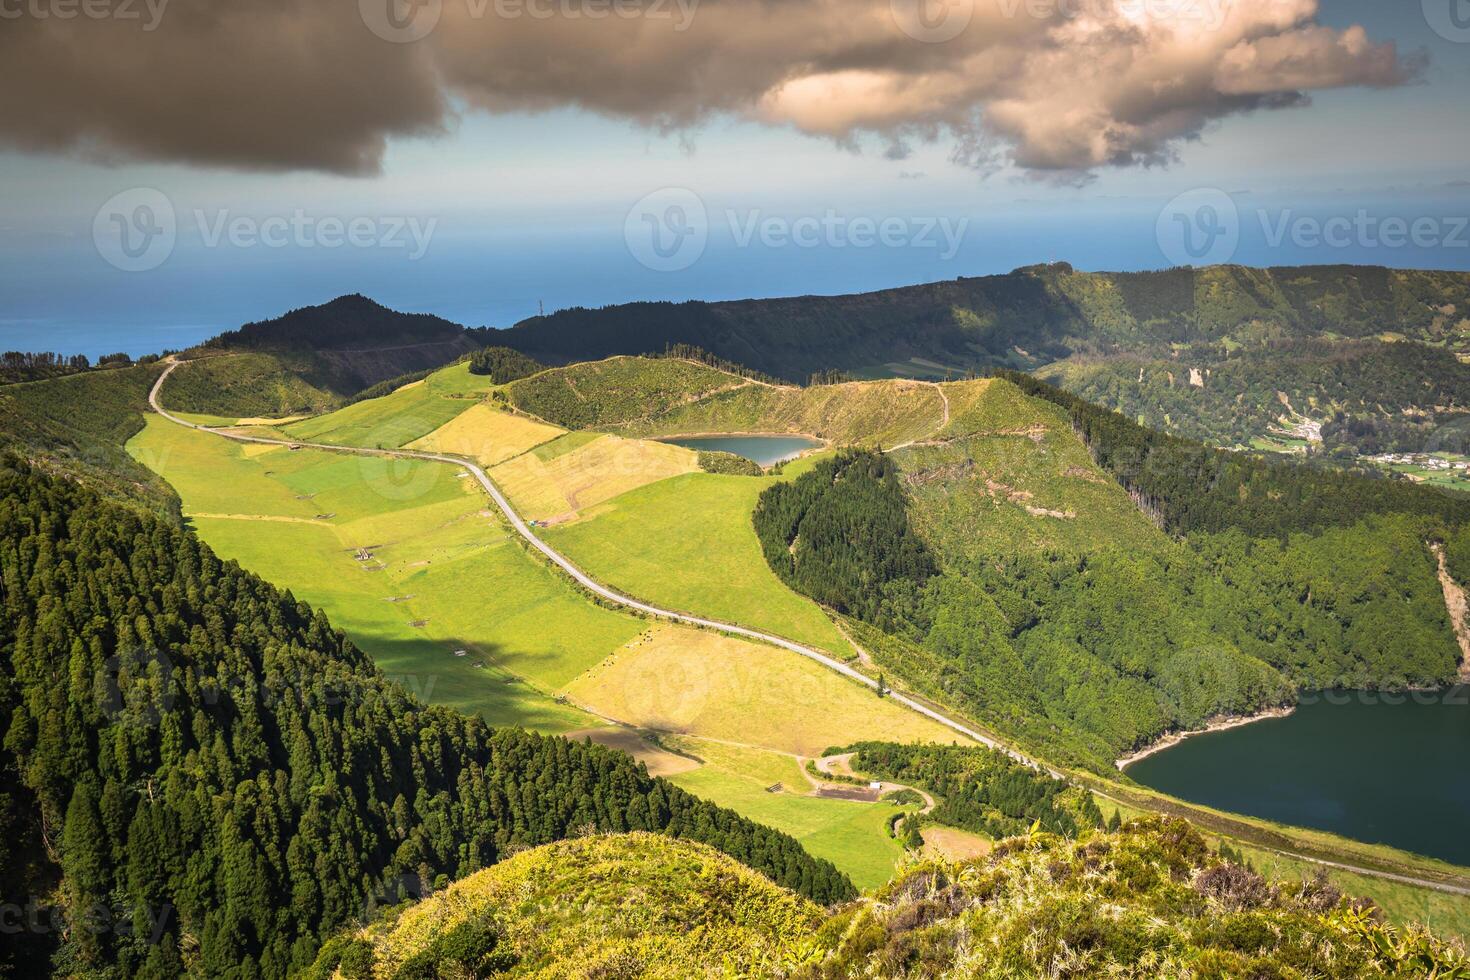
{"points": [[518, 210]]}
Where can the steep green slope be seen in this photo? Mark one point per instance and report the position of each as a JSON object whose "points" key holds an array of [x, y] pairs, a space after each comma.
{"points": [[1368, 397], [399, 417], [1311, 333], [192, 753], [1152, 900], [1045, 603], [254, 384], [617, 391], [613, 906], [1026, 318], [314, 358], [77, 424]]}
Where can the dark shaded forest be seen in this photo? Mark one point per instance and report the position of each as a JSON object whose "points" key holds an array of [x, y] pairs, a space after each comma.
{"points": [[982, 790], [1193, 487], [217, 779], [503, 365]]}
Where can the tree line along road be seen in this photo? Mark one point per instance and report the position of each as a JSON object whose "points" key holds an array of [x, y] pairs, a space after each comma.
{"points": [[612, 595]]}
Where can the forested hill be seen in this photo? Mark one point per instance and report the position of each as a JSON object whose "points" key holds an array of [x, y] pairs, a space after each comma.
{"points": [[1024, 319], [200, 775], [346, 323]]}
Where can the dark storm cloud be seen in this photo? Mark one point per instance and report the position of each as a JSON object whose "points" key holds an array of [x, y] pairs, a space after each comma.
{"points": [[1050, 85]]}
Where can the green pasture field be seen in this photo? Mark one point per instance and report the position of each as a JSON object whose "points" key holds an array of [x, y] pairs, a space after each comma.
{"points": [[852, 835], [683, 680], [399, 418], [687, 543], [430, 537]]}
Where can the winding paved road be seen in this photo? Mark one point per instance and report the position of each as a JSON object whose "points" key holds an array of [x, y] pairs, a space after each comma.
{"points": [[585, 580], [597, 588]]}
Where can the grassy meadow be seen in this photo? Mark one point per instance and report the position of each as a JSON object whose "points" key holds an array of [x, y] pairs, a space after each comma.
{"points": [[574, 475], [439, 560], [852, 835], [868, 413], [695, 682], [487, 435], [396, 419], [446, 574], [688, 544]]}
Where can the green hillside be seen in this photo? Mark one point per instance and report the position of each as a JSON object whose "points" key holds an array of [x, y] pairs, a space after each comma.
{"points": [[409, 561], [1042, 600], [1152, 900], [1024, 319], [613, 906], [617, 391], [1070, 581], [399, 417], [77, 424], [1368, 397], [1201, 352], [212, 768]]}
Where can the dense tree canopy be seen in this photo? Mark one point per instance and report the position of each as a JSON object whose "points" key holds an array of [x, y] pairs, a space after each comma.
{"points": [[1193, 487], [841, 534], [981, 789], [217, 778], [503, 365]]}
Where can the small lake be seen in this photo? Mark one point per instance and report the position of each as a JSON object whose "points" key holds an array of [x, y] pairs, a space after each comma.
{"points": [[1348, 762], [765, 450]]}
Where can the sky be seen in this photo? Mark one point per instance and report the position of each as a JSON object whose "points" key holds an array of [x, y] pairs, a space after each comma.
{"points": [[209, 164]]}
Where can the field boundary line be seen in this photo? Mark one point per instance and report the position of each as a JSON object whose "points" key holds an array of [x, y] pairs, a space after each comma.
{"points": [[612, 595]]}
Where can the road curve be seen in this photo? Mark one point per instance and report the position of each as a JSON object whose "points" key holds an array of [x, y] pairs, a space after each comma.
{"points": [[585, 580], [597, 588]]}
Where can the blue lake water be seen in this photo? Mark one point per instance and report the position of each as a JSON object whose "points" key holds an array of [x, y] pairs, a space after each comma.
{"points": [[765, 450], [1347, 762]]}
